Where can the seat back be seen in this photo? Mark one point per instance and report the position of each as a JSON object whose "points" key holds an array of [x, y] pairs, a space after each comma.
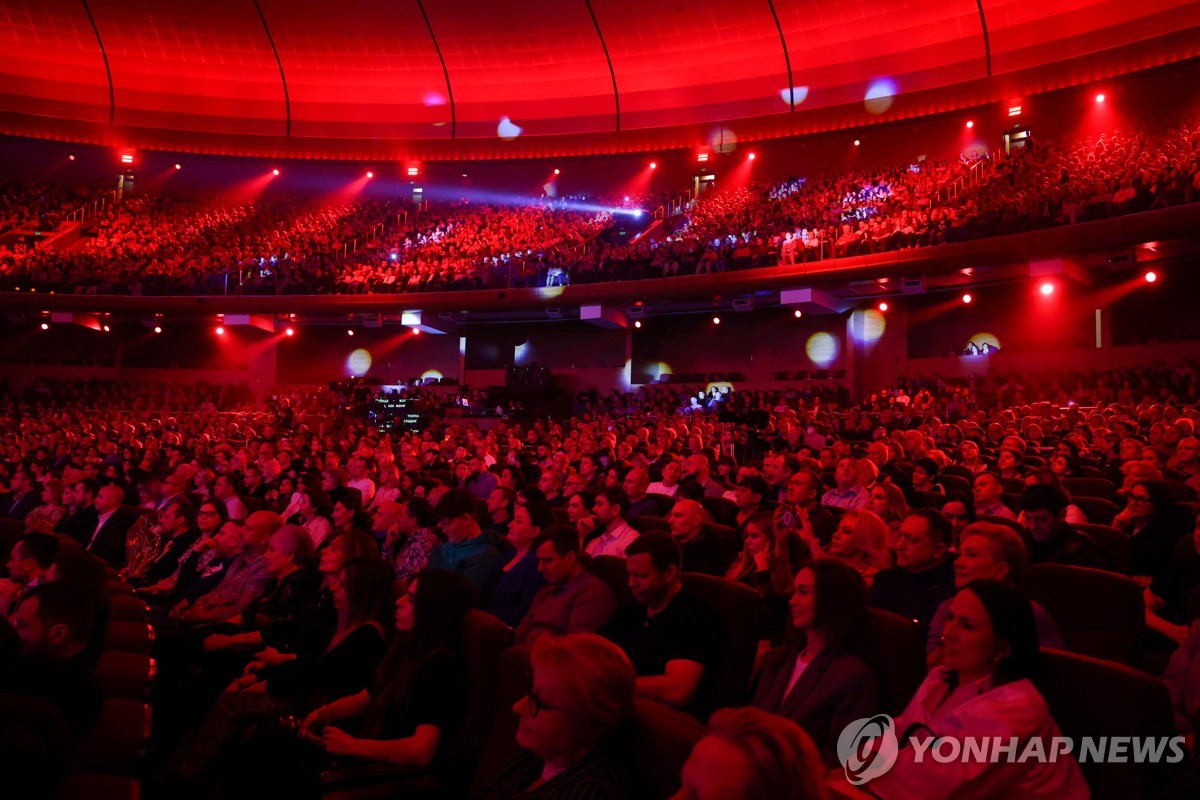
{"points": [[514, 679], [722, 510], [116, 744], [128, 637], [958, 471], [955, 483], [646, 524], [1182, 492], [611, 570], [896, 652], [1090, 487], [1097, 510], [727, 537], [124, 675], [1099, 613], [1090, 697], [663, 739], [934, 500], [737, 609], [664, 502], [1113, 543], [484, 640]]}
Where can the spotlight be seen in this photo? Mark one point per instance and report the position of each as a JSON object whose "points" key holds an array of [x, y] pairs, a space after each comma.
{"points": [[1151, 277], [107, 329], [45, 326], [751, 156], [637, 323], [626, 198], [653, 165], [970, 123], [716, 320], [349, 332], [220, 331], [71, 157], [370, 174], [557, 171], [967, 298], [1100, 98], [179, 166], [274, 172], [1047, 289], [797, 314], [157, 329], [416, 331], [857, 142], [883, 306], [289, 332]]}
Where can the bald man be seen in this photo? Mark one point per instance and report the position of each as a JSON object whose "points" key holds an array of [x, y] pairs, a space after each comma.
{"points": [[701, 552], [107, 541]]}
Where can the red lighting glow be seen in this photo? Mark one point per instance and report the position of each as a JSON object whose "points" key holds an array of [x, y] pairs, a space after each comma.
{"points": [[716, 320], [45, 326], [653, 165], [970, 123], [751, 156], [274, 172], [857, 142], [557, 172], [290, 332], [71, 157], [179, 166], [349, 332], [1151, 277], [637, 323], [220, 331], [416, 331], [797, 314], [967, 299], [1100, 98], [883, 306], [1047, 289], [107, 329], [158, 329], [370, 174]]}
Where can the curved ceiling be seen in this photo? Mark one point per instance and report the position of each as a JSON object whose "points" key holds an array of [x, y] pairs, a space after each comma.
{"points": [[464, 78]]}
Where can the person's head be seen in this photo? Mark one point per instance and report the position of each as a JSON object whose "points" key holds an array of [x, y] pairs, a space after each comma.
{"points": [[315, 502], [671, 472], [362, 593], [960, 510], [861, 536], [258, 529], [528, 522], [611, 506], [31, 556], [109, 498], [52, 492], [558, 554], [225, 487], [1009, 461], [228, 540], [583, 692], [925, 472], [54, 620], [500, 503], [803, 488], [655, 565], [988, 488], [637, 480], [415, 514], [751, 492], [384, 517], [456, 515], [579, 506], [574, 483], [830, 597], [1045, 510], [290, 548], [990, 630], [760, 533], [751, 754], [686, 520], [923, 540], [989, 552], [887, 502], [1149, 499], [846, 473], [345, 546], [177, 517]]}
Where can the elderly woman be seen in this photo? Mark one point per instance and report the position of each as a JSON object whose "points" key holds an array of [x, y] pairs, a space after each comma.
{"points": [[984, 687], [571, 724], [988, 552], [43, 518]]}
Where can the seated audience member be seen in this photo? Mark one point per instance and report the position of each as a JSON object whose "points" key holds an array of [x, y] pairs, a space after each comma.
{"points": [[407, 526], [573, 600], [28, 567], [924, 476], [1010, 463], [612, 533], [1054, 541], [225, 489], [44, 517], [1168, 596], [244, 578], [363, 602], [80, 520], [551, 484], [696, 467], [984, 687], [960, 510], [1075, 515], [468, 549], [994, 553], [520, 579], [750, 497], [200, 567], [177, 530], [848, 493], [988, 490], [53, 623], [23, 495], [860, 540], [669, 485], [637, 485], [572, 726], [923, 577], [1182, 677], [888, 503], [765, 567], [818, 678], [500, 504], [348, 514], [107, 540], [1154, 523], [414, 704], [701, 552], [803, 493], [749, 754], [669, 636], [314, 511]]}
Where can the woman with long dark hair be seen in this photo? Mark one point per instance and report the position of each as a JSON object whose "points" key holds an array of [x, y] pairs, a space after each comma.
{"points": [[1154, 523]]}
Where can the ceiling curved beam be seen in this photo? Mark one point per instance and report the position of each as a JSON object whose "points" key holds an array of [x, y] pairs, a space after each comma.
{"points": [[608, 59], [112, 101], [287, 100], [787, 58], [987, 44], [441, 59]]}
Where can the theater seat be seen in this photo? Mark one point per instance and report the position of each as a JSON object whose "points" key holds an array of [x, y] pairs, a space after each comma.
{"points": [[934, 500], [1090, 697], [646, 524], [98, 787], [896, 652], [116, 744], [1090, 487], [611, 570], [1097, 510], [663, 739], [1099, 613], [124, 675], [722, 510], [129, 637], [728, 537], [737, 608], [1113, 543], [514, 680], [127, 608]]}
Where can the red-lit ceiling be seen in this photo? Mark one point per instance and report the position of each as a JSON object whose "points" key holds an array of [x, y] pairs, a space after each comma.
{"points": [[435, 79]]}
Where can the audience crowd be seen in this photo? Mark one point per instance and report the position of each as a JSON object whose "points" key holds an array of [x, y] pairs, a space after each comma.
{"points": [[775, 565]]}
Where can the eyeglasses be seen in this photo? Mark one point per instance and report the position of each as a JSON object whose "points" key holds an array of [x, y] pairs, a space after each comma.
{"points": [[537, 705], [1139, 498]]}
